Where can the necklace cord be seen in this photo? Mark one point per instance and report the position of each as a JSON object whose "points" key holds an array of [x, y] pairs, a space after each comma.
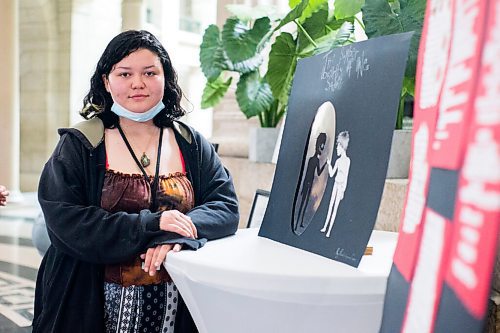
{"points": [[154, 185], [154, 189]]}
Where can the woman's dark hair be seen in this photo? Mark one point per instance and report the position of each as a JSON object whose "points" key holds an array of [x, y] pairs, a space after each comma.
{"points": [[98, 101]]}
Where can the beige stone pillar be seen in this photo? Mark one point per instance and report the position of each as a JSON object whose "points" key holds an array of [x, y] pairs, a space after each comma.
{"points": [[133, 14], [9, 95], [230, 127]]}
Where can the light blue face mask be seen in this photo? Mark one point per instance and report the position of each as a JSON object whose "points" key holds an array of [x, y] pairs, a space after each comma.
{"points": [[135, 116]]}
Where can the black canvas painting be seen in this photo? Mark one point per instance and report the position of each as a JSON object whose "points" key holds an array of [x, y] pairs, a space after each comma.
{"points": [[335, 148]]}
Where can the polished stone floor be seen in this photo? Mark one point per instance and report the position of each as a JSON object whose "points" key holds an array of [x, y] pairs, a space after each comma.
{"points": [[19, 262]]}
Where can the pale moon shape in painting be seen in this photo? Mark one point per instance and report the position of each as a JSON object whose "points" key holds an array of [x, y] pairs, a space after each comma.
{"points": [[314, 173]]}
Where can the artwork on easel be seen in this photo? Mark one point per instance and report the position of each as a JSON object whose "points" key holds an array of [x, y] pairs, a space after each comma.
{"points": [[335, 148]]}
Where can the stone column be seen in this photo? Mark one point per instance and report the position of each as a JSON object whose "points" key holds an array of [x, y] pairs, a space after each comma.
{"points": [[9, 95], [230, 127], [133, 14]]}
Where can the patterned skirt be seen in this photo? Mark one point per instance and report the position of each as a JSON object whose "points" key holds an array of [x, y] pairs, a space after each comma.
{"points": [[149, 308]]}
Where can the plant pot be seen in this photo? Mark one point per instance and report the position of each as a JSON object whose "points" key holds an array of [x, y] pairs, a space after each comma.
{"points": [[262, 142], [399, 159]]}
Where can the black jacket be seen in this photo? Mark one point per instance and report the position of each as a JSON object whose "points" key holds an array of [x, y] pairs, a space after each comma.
{"points": [[69, 295]]}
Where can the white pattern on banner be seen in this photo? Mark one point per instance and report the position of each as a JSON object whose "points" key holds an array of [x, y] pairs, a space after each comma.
{"points": [[481, 168], [435, 55], [478, 206], [432, 64], [462, 265], [477, 222], [426, 285], [488, 102], [455, 105]]}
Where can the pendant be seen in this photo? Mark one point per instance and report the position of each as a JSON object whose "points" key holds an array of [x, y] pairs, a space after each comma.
{"points": [[145, 161]]}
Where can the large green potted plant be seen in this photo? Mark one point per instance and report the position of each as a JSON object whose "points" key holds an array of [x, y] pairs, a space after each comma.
{"points": [[239, 50]]}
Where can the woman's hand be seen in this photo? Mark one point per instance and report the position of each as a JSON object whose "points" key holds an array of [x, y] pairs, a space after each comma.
{"points": [[3, 195], [175, 221], [155, 256]]}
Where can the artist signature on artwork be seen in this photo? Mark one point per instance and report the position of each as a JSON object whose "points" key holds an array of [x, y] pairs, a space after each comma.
{"points": [[341, 252], [350, 62]]}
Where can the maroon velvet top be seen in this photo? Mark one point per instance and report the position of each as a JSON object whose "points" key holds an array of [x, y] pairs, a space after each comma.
{"points": [[131, 193]]}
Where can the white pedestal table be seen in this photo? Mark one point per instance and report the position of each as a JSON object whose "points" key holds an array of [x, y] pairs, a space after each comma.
{"points": [[246, 283]]}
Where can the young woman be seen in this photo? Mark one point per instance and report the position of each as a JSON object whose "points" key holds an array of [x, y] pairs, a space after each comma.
{"points": [[120, 191]]}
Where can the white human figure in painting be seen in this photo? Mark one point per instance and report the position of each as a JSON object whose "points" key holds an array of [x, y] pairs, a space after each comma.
{"points": [[341, 169]]}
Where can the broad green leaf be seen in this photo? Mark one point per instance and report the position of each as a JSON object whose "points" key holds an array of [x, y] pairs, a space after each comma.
{"points": [[250, 13], [311, 7], [247, 66], [334, 24], [294, 14], [253, 94], [408, 86], [380, 20], [241, 42], [212, 58], [347, 8], [413, 13], [344, 34], [315, 26], [332, 40], [273, 115], [281, 66], [214, 91]]}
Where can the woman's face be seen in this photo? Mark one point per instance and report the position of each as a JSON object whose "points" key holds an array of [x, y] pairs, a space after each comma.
{"points": [[137, 81]]}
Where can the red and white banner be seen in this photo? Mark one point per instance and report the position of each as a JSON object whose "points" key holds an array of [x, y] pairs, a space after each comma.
{"points": [[432, 63], [446, 248], [477, 212], [426, 285], [457, 96]]}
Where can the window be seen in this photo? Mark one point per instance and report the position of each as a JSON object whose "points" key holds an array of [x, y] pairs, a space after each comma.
{"points": [[188, 20]]}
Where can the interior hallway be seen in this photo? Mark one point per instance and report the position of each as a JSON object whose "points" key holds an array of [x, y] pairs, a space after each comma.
{"points": [[19, 262]]}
